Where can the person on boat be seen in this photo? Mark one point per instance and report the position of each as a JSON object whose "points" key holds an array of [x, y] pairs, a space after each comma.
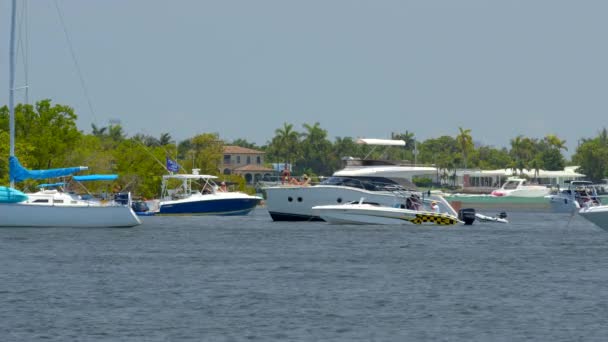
{"points": [[435, 207], [413, 202], [305, 180], [206, 190], [223, 187], [285, 175]]}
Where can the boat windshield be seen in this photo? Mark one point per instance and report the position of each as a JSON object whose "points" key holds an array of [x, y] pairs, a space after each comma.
{"points": [[367, 183], [511, 185]]}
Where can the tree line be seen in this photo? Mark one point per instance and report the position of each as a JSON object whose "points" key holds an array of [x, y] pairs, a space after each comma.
{"points": [[47, 137]]}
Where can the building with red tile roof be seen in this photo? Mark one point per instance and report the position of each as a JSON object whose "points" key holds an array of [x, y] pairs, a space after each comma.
{"points": [[246, 162]]}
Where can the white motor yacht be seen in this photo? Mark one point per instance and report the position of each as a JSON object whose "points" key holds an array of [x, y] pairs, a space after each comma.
{"points": [[519, 187], [377, 181]]}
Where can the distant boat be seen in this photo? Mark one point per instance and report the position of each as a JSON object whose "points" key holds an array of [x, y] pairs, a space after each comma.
{"points": [[574, 197], [519, 187], [187, 199], [52, 209]]}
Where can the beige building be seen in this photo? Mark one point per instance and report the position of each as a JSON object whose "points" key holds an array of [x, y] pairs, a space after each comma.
{"points": [[246, 162]]}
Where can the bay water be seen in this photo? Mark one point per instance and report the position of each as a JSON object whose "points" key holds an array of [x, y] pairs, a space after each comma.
{"points": [[543, 277]]}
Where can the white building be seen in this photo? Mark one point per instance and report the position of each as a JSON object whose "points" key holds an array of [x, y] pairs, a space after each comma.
{"points": [[495, 178]]}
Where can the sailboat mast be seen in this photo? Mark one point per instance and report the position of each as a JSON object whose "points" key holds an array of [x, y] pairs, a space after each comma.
{"points": [[11, 86]]}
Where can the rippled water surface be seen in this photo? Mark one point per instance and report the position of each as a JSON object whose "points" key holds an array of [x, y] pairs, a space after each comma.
{"points": [[540, 278]]}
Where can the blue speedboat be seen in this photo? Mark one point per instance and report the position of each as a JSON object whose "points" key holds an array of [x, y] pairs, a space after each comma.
{"points": [[188, 199]]}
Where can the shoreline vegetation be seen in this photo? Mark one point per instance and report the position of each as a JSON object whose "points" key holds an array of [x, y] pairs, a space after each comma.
{"points": [[47, 137]]}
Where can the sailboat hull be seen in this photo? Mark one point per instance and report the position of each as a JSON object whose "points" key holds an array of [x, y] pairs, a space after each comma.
{"points": [[35, 215]]}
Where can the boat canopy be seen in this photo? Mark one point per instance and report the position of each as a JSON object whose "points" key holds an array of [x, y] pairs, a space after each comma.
{"points": [[381, 142], [18, 173], [89, 178]]}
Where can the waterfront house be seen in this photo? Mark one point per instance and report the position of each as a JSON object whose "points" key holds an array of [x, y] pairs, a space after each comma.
{"points": [[246, 162]]}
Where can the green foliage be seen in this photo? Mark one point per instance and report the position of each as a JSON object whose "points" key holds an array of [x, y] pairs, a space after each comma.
{"points": [[47, 136], [422, 181], [592, 156]]}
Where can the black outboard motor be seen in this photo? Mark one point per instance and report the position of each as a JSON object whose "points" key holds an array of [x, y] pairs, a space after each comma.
{"points": [[502, 215], [139, 207], [467, 215]]}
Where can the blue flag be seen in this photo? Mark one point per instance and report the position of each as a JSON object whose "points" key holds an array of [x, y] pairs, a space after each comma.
{"points": [[172, 165]]}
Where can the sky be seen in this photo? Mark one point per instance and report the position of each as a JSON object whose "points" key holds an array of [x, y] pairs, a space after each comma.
{"points": [[242, 68]]}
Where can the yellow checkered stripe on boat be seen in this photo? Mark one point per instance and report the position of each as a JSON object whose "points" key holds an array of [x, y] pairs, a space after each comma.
{"points": [[439, 219]]}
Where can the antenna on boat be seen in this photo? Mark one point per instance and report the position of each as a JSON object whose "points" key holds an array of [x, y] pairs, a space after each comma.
{"points": [[11, 86]]}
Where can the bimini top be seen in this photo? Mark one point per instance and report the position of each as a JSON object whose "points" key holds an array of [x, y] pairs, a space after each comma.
{"points": [[188, 176], [381, 142], [18, 173], [90, 178]]}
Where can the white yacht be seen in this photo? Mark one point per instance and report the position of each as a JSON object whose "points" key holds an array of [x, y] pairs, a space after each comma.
{"points": [[519, 187], [576, 196], [376, 181]]}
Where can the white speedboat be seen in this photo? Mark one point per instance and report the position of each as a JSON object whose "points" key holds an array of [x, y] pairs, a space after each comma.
{"points": [[371, 213], [186, 200], [574, 197], [597, 215], [377, 181], [518, 187], [52, 209]]}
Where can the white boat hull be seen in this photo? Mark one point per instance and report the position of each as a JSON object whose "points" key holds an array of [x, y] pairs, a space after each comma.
{"points": [[372, 214], [562, 204], [536, 191], [37, 215], [597, 215], [294, 203]]}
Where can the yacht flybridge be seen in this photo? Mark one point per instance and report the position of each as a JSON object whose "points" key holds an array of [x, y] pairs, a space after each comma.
{"points": [[375, 180]]}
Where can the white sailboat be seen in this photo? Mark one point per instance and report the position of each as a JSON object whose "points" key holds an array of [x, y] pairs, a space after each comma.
{"points": [[52, 208]]}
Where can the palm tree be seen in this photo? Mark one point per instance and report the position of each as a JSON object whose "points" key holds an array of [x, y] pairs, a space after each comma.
{"points": [[98, 132], [116, 133], [465, 143], [165, 139], [287, 139], [555, 142]]}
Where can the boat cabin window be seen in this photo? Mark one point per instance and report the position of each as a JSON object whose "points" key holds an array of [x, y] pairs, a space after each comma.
{"points": [[58, 201], [367, 183], [41, 201], [510, 185]]}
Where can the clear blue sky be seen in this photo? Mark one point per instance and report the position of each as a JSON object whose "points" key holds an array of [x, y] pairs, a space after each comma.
{"points": [[360, 68]]}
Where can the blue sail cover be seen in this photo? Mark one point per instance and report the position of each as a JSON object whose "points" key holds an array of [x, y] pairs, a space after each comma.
{"points": [[18, 173], [94, 178]]}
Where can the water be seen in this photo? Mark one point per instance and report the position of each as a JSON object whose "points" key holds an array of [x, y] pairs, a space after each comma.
{"points": [[247, 278]]}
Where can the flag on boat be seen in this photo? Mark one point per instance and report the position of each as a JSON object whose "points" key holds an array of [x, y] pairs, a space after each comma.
{"points": [[172, 165]]}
